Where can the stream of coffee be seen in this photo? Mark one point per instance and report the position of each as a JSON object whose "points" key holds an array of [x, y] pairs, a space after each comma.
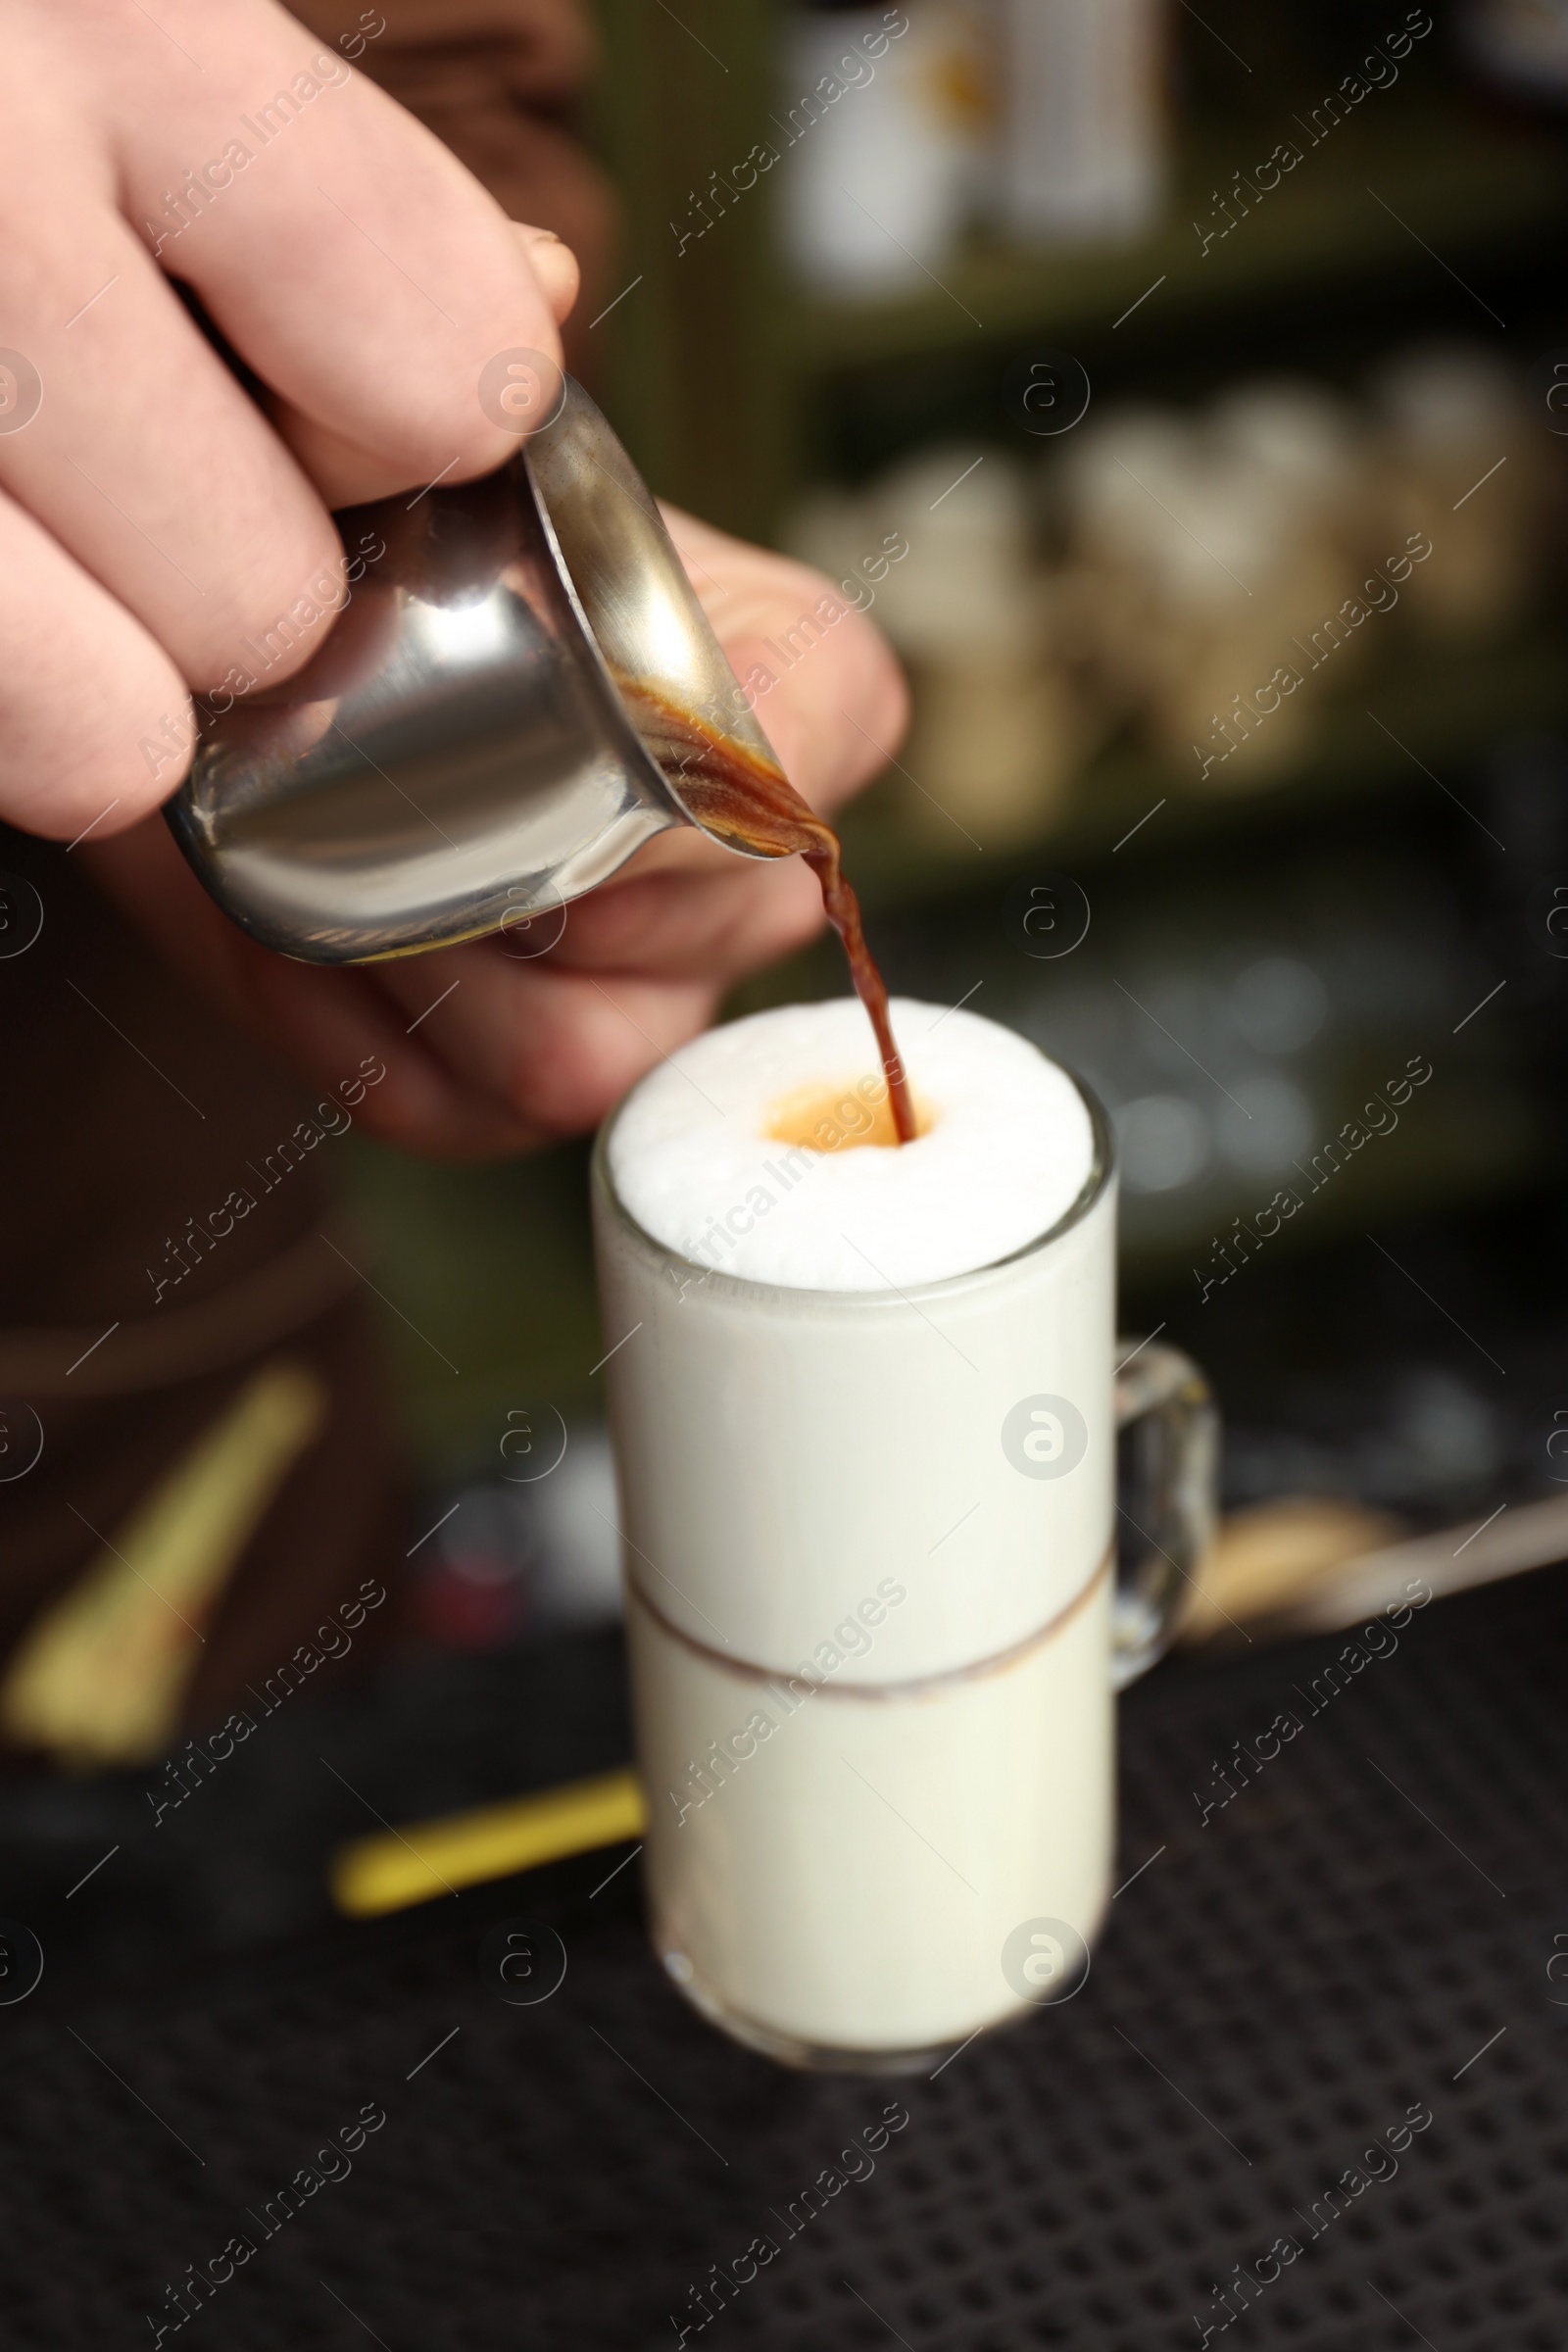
{"points": [[745, 800]]}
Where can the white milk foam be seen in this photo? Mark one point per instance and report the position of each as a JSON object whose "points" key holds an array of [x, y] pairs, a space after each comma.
{"points": [[1008, 1152]]}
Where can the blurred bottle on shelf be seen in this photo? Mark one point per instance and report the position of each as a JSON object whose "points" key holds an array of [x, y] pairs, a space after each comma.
{"points": [[1311, 443], [884, 111], [1214, 581], [998, 729], [1458, 468], [1084, 118], [996, 732], [1208, 552]]}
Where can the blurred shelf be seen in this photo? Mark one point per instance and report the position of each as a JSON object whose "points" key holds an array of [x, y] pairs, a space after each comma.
{"points": [[1442, 711], [1482, 1144], [725, 378], [1454, 179]]}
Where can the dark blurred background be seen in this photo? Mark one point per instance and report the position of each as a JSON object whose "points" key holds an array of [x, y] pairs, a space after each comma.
{"points": [[1305, 268], [1132, 362], [1134, 358]]}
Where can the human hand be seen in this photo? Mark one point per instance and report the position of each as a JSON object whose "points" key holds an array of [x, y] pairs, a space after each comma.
{"points": [[500, 82], [487, 1051], [152, 516]]}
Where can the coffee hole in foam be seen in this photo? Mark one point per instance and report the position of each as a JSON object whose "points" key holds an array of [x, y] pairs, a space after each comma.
{"points": [[836, 1118], [701, 1147]]}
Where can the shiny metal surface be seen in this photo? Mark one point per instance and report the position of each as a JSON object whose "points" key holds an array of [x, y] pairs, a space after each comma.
{"points": [[479, 738]]}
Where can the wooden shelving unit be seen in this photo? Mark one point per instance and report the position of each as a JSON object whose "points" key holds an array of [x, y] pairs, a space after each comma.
{"points": [[1442, 179], [718, 364], [730, 385], [1443, 712]]}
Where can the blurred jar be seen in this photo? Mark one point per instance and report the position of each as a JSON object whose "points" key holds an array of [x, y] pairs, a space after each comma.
{"points": [[884, 111], [1084, 118], [1215, 553], [1115, 471], [998, 732], [1297, 455], [1458, 470], [1311, 444]]}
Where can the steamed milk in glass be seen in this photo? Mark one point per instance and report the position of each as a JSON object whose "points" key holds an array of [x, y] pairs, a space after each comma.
{"points": [[861, 1398]]}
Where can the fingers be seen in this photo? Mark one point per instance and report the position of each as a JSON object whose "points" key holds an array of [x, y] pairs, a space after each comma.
{"points": [[145, 459], [711, 924], [821, 676], [482, 1055], [327, 1025], [352, 475], [348, 258], [95, 724], [835, 713], [555, 1047], [137, 447], [641, 961], [345, 253], [554, 265]]}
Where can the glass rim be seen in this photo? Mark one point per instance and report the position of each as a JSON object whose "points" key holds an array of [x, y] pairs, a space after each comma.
{"points": [[1101, 1171]]}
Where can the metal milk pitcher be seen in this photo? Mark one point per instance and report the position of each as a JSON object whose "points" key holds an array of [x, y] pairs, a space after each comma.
{"points": [[476, 740]]}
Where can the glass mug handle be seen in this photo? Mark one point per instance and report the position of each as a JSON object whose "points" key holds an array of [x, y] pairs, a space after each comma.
{"points": [[1167, 1504]]}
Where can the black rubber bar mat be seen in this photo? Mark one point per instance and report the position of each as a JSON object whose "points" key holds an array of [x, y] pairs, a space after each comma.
{"points": [[1313, 2091]]}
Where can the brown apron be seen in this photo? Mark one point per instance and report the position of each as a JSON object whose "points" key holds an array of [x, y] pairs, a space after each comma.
{"points": [[197, 1462], [132, 1114]]}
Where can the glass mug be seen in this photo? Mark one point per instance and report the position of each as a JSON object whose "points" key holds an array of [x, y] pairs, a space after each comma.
{"points": [[875, 1623]]}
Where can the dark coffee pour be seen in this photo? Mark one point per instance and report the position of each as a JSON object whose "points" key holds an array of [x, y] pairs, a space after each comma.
{"points": [[745, 800]]}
